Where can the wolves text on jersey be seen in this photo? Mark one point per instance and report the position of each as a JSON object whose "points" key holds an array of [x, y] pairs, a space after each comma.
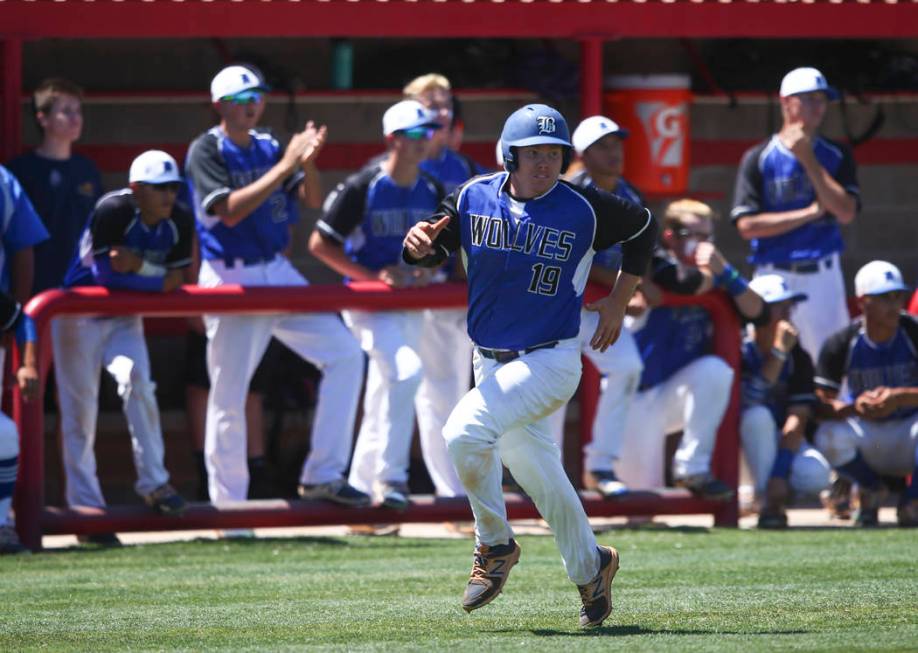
{"points": [[529, 238]]}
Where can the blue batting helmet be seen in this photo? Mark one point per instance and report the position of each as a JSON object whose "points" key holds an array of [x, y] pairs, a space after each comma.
{"points": [[534, 124]]}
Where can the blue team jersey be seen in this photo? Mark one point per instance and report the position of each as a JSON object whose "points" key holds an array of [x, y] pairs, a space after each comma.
{"points": [[116, 222], [850, 363], [369, 214], [794, 386], [771, 179], [451, 169], [610, 259], [527, 261], [20, 226], [671, 338], [63, 193], [214, 168]]}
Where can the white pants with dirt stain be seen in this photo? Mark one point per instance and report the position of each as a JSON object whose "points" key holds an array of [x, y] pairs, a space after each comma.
{"points": [[504, 419]]}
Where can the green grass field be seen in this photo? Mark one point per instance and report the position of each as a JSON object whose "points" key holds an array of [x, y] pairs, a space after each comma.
{"points": [[678, 590]]}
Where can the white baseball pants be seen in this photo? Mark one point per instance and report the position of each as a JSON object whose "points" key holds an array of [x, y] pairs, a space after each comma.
{"points": [[694, 400], [504, 418], [620, 366], [390, 339], [9, 452], [446, 356], [888, 447], [760, 436], [82, 345], [235, 345], [826, 309]]}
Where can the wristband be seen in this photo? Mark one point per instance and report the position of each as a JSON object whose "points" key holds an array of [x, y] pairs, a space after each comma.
{"points": [[731, 281], [148, 269], [777, 353], [782, 466]]}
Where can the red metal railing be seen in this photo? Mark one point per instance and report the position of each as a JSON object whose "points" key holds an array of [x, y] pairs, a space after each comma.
{"points": [[33, 518]]}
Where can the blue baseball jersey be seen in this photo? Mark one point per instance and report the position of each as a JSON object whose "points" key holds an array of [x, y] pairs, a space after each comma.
{"points": [[215, 167], [116, 222], [850, 363], [770, 179], [369, 214], [794, 386], [20, 226], [611, 258], [527, 261], [451, 169], [63, 193]]}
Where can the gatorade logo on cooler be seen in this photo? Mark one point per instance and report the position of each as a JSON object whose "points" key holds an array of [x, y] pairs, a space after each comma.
{"points": [[664, 125]]}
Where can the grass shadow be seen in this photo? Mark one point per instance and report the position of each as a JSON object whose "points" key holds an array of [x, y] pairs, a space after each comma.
{"points": [[624, 630]]}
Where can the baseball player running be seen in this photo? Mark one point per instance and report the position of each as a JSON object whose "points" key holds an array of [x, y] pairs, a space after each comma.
{"points": [[867, 379], [245, 188], [137, 238], [792, 192], [778, 394], [527, 241], [360, 236], [598, 141]]}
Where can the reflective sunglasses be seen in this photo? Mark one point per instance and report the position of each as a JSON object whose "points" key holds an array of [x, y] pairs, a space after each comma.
{"points": [[417, 133], [246, 97]]}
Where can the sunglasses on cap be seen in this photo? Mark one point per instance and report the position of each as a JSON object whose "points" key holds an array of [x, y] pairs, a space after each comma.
{"points": [[417, 133], [168, 187], [246, 97]]}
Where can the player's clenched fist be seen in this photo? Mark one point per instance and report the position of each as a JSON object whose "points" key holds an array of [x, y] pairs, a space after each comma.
{"points": [[419, 242]]}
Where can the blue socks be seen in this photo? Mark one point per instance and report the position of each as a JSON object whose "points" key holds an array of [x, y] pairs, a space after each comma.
{"points": [[782, 466]]}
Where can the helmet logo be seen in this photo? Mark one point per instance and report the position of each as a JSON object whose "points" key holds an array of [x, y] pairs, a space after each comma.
{"points": [[546, 124]]}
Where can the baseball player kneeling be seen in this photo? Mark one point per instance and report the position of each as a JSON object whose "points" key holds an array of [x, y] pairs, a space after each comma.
{"points": [[527, 241], [137, 238], [867, 379]]}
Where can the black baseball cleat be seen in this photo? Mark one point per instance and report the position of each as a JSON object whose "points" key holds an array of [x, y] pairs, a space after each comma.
{"points": [[605, 482], [166, 501], [491, 566], [597, 594], [337, 491], [9, 541], [105, 540], [705, 486]]}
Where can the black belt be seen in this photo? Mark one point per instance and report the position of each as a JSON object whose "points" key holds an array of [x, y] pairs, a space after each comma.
{"points": [[803, 267], [507, 355], [230, 262]]}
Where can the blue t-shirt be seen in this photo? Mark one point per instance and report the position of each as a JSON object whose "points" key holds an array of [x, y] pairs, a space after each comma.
{"points": [[771, 179], [116, 222], [20, 226], [451, 169], [369, 214], [214, 168], [610, 259], [64, 194], [850, 363], [527, 261]]}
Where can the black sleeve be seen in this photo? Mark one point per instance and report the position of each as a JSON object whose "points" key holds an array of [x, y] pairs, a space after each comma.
{"points": [[180, 255], [620, 221], [670, 277], [909, 324], [800, 384], [108, 222], [747, 192], [343, 209], [449, 239], [207, 172], [846, 175], [10, 312], [833, 358]]}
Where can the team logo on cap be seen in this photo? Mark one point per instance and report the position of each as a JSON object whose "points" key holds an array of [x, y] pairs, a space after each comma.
{"points": [[167, 166], [890, 276], [546, 124], [245, 78]]}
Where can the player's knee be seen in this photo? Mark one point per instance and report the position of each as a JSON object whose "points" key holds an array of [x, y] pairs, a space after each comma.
{"points": [[756, 423], [837, 442], [138, 383], [810, 474], [9, 438], [714, 372]]}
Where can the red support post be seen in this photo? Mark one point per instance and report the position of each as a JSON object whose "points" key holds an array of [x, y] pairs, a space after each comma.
{"points": [[590, 76], [11, 131]]}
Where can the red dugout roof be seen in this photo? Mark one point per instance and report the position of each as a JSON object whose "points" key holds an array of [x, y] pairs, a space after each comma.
{"points": [[459, 18]]}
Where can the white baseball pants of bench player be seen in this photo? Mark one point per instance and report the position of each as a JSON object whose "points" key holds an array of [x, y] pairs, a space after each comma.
{"points": [[383, 448], [759, 434], [446, 356], [620, 366], [693, 400], [83, 345], [503, 418], [826, 309], [9, 457], [235, 345], [888, 447]]}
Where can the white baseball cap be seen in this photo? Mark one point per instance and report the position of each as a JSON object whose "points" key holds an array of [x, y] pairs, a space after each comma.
{"points": [[877, 278], [806, 80], [408, 114], [772, 288], [234, 80], [592, 129], [154, 167]]}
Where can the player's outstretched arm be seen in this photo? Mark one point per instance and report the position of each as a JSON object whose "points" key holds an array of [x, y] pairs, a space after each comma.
{"points": [[420, 241]]}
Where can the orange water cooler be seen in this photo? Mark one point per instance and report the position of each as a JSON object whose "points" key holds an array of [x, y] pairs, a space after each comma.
{"points": [[655, 109]]}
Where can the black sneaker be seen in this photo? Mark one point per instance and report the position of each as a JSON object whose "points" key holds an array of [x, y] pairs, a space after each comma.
{"points": [[605, 482], [491, 567], [107, 540], [907, 512], [9, 541], [772, 520], [166, 501], [868, 512], [337, 491], [705, 486], [597, 594], [391, 495]]}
